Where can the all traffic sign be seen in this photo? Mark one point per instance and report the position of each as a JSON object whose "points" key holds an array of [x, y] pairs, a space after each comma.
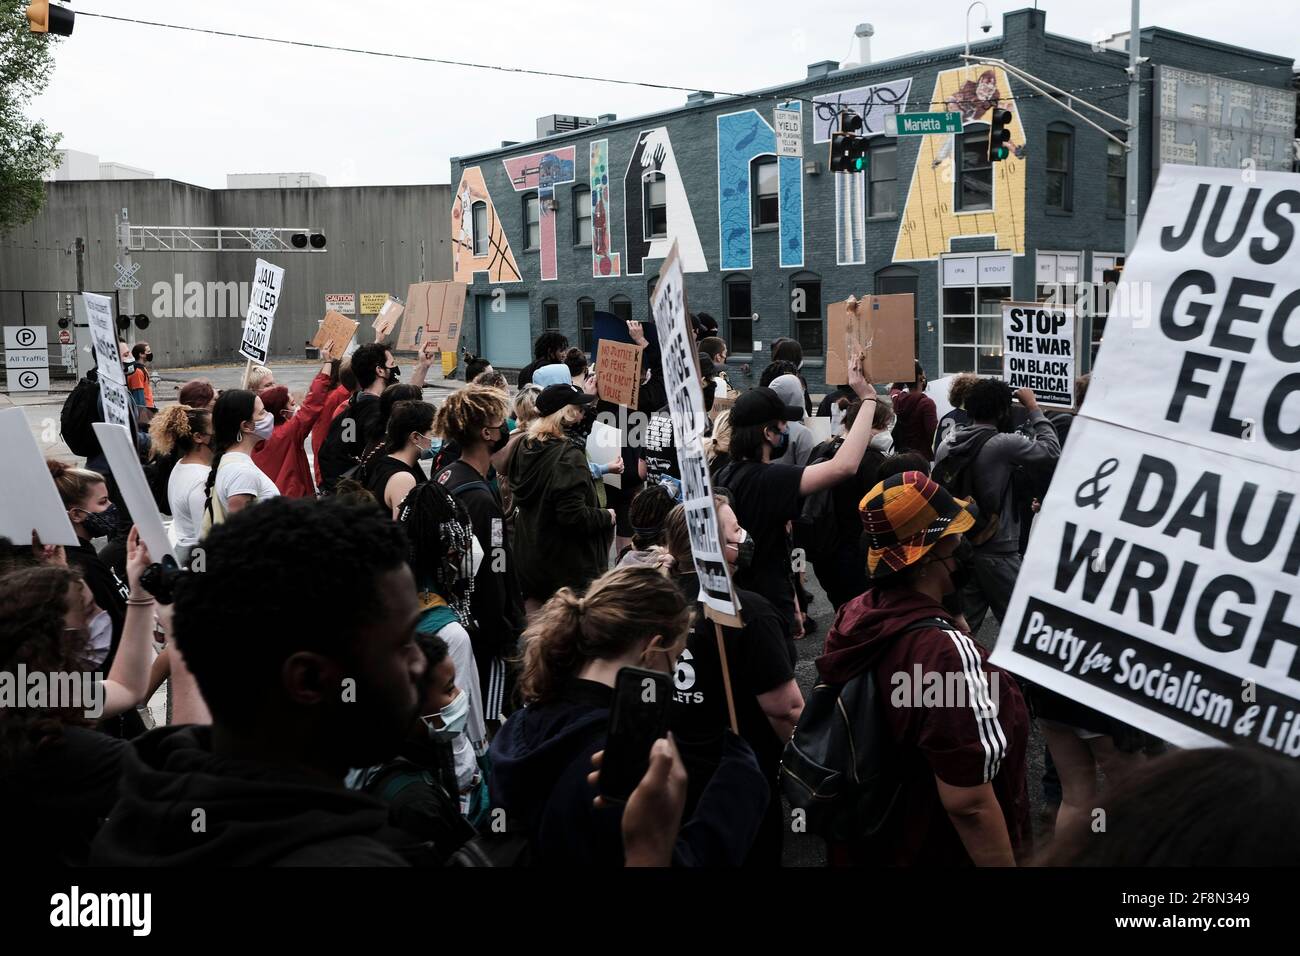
{"points": [[924, 124]]}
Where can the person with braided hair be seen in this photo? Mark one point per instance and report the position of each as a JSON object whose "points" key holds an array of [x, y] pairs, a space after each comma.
{"points": [[186, 434], [442, 557], [474, 418]]}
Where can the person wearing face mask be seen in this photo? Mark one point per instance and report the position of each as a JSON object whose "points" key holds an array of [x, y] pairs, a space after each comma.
{"points": [[93, 515], [574, 650], [358, 426], [138, 381], [562, 534], [961, 758], [768, 496], [761, 658], [419, 784], [393, 472], [239, 422], [283, 456], [474, 418], [185, 434], [444, 556]]}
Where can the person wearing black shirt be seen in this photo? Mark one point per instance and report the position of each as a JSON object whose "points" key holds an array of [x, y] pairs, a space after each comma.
{"points": [[549, 349], [391, 473], [769, 496], [761, 658], [375, 369]]}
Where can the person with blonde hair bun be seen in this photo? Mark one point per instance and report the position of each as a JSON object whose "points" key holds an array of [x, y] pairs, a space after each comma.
{"points": [[185, 434], [574, 650]]}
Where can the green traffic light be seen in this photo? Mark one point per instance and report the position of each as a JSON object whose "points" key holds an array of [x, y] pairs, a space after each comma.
{"points": [[858, 164]]}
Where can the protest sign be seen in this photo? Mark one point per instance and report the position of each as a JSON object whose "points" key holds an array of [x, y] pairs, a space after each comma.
{"points": [[28, 499], [686, 401], [604, 444], [337, 329], [618, 372], [1039, 346], [344, 303], [608, 327], [1159, 585], [820, 426], [113, 393], [124, 463], [389, 313], [882, 325], [434, 313], [268, 281], [372, 303]]}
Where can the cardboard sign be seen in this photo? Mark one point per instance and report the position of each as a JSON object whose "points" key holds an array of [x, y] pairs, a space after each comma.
{"points": [[686, 401], [604, 444], [124, 463], [338, 329], [1039, 350], [113, 394], [28, 499], [344, 303], [618, 372], [389, 314], [1159, 585], [373, 302], [434, 313], [268, 282], [882, 324]]}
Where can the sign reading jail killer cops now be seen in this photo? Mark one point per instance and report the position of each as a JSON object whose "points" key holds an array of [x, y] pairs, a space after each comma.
{"points": [[113, 396], [1038, 351], [686, 401], [1161, 581], [268, 281]]}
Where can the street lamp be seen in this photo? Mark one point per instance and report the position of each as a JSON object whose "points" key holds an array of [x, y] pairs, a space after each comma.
{"points": [[986, 24]]}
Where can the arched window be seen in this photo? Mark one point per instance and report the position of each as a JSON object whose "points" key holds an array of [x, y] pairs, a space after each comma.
{"points": [[806, 313], [740, 314], [974, 185], [764, 190], [532, 222], [621, 306], [550, 316], [655, 186], [581, 216], [894, 280], [479, 222]]}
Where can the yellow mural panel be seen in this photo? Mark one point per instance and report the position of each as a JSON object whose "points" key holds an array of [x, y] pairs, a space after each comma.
{"points": [[498, 261], [929, 221]]}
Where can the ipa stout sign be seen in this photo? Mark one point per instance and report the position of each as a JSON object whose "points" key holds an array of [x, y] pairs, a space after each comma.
{"points": [[1039, 351], [686, 402], [268, 282], [1161, 581]]}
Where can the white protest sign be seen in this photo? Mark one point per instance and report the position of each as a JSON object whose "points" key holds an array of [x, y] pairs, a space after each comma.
{"points": [[28, 499], [113, 394], [1202, 341], [604, 444], [124, 463], [1039, 351], [268, 281], [1160, 581], [686, 401]]}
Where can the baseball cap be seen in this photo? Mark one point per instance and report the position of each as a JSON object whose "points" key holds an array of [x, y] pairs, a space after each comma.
{"points": [[758, 406], [555, 397], [905, 516]]}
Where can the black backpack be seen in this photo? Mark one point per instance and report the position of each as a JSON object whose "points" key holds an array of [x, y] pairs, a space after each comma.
{"points": [[817, 531], [81, 410], [841, 767], [955, 475], [341, 455]]}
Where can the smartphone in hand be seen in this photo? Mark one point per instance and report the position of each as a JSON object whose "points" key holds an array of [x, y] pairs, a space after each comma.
{"points": [[638, 718]]}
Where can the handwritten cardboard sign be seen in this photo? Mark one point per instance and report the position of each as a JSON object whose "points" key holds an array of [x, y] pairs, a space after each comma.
{"points": [[618, 372], [338, 329]]}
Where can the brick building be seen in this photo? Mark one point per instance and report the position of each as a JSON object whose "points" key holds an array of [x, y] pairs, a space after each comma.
{"points": [[550, 231]]}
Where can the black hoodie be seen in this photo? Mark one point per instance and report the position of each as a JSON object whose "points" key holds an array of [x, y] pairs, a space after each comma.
{"points": [[562, 535], [253, 814]]}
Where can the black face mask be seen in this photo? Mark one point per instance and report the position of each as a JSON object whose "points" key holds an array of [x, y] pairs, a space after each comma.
{"points": [[744, 554], [503, 437], [961, 572], [394, 373]]}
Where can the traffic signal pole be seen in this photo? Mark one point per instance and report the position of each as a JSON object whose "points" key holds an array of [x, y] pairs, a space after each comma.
{"points": [[1134, 118]]}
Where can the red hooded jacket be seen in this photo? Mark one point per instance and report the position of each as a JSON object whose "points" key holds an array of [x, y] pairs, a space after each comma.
{"points": [[282, 457], [334, 401], [953, 715]]}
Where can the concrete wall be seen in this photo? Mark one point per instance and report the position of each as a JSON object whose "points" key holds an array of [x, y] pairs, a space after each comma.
{"points": [[380, 239]]}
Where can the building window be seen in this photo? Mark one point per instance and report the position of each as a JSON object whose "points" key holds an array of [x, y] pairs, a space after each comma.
{"points": [[621, 306], [650, 296], [975, 178], [1057, 278], [587, 324], [974, 288], [740, 317], [806, 314], [1060, 148], [478, 214], [532, 222], [1101, 296], [882, 174], [656, 206], [551, 316], [765, 189], [1116, 179], [901, 280], [582, 217]]}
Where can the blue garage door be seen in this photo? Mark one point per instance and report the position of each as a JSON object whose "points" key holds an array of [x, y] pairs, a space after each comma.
{"points": [[504, 337]]}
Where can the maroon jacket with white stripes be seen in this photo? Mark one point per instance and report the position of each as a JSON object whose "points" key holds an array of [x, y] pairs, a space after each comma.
{"points": [[953, 714]]}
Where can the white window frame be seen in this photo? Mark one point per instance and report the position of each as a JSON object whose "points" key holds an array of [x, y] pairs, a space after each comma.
{"points": [[975, 284], [1042, 256]]}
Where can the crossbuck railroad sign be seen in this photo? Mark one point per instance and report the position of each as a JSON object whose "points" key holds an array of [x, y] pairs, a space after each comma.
{"points": [[126, 277]]}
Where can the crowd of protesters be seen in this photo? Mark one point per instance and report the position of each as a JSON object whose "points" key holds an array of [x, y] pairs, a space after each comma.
{"points": [[396, 627]]}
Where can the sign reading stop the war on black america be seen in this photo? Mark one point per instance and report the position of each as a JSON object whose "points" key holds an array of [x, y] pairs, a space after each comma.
{"points": [[1038, 351], [1162, 581]]}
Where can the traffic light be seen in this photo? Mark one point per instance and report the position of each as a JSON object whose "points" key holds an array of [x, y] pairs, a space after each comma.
{"points": [[43, 18], [848, 153], [998, 135]]}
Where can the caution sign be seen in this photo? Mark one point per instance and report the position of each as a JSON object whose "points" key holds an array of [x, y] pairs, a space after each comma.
{"points": [[1039, 347], [1161, 584]]}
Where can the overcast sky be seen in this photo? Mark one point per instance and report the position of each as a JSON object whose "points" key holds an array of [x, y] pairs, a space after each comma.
{"points": [[194, 107]]}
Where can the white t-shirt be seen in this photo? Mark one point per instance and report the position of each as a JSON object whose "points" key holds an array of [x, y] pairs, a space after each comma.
{"points": [[186, 497], [237, 475]]}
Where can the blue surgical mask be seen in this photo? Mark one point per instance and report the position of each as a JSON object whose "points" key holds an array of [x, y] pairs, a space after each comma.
{"points": [[453, 717], [435, 446], [783, 444]]}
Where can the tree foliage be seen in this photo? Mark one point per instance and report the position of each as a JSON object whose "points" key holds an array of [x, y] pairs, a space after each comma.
{"points": [[27, 147]]}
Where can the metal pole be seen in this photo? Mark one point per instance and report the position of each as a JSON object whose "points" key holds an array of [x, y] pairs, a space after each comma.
{"points": [[1134, 119], [81, 264], [124, 259]]}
